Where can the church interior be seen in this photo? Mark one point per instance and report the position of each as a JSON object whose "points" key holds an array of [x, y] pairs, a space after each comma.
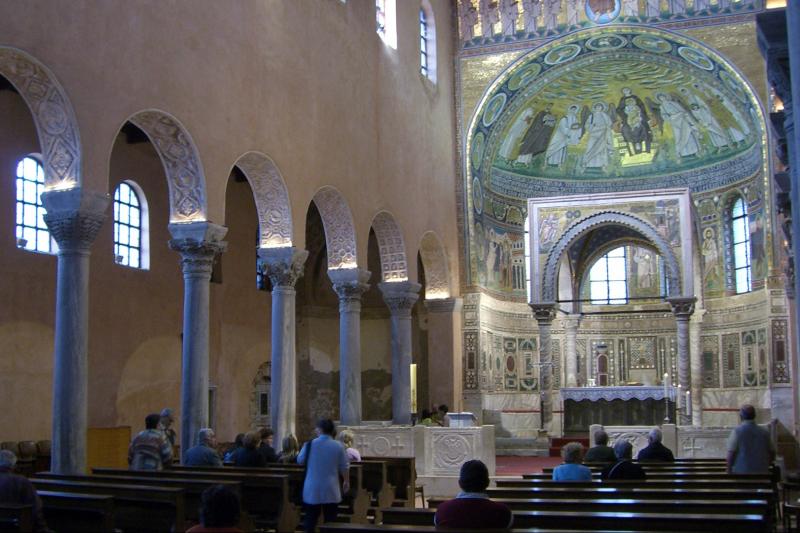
{"points": [[550, 216]]}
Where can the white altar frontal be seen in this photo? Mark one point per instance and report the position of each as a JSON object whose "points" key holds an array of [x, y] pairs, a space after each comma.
{"points": [[439, 452]]}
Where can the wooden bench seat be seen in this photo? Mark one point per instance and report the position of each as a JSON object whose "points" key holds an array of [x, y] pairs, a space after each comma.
{"points": [[69, 512], [713, 483], [625, 521], [640, 492], [401, 473], [16, 517], [371, 528], [163, 507]]}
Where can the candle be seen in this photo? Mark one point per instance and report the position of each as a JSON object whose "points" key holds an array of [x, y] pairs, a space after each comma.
{"points": [[666, 378], [689, 403]]}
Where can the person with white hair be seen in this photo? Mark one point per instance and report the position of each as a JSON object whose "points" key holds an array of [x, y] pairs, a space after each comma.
{"points": [[572, 469], [205, 453], [601, 452], [16, 489], [750, 447], [624, 468], [655, 450], [165, 426]]}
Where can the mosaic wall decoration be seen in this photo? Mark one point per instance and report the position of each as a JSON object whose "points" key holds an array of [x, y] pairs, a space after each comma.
{"points": [[762, 357], [529, 356], [613, 109], [510, 356], [556, 355], [580, 352], [731, 365], [749, 357], [780, 353], [710, 356], [485, 23], [642, 352], [603, 362], [471, 360]]}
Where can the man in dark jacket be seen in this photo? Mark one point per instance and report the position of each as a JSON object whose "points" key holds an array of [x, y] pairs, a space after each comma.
{"points": [[266, 450], [623, 468], [18, 490], [602, 452], [655, 451], [472, 508]]}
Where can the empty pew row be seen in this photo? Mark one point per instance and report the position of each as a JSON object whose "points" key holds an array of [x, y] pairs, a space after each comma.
{"points": [[16, 517], [341, 528], [69, 512], [625, 521], [660, 475]]}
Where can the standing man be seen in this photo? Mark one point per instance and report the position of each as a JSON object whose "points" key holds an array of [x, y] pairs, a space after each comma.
{"points": [[325, 461], [750, 448], [205, 453], [165, 425], [150, 450]]}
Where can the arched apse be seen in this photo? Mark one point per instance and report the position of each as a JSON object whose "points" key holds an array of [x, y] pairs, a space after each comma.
{"points": [[606, 109], [178, 153], [394, 264], [340, 233], [595, 221], [271, 197], [52, 113], [434, 260]]}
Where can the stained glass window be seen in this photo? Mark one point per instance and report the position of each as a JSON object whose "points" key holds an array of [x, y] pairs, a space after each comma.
{"points": [[31, 231], [608, 279], [740, 237]]}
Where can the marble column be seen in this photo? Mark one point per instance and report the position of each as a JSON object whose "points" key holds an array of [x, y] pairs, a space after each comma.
{"points": [[283, 266], [198, 243], [349, 285], [683, 308], [445, 353], [74, 218], [571, 324], [545, 313], [696, 364], [400, 297]]}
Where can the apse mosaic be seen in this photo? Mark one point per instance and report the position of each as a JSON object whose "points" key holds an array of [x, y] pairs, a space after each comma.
{"points": [[603, 110]]}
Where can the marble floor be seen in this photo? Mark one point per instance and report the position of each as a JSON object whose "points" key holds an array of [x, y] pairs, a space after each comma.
{"points": [[512, 465]]}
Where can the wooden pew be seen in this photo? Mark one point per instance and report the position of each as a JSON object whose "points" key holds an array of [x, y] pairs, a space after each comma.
{"points": [[402, 474], [640, 492], [16, 517], [658, 475], [376, 481], [371, 528], [637, 521], [69, 512], [264, 497], [137, 507], [713, 483]]}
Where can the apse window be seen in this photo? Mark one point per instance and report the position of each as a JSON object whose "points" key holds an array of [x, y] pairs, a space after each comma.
{"points": [[31, 231], [427, 42], [608, 279], [130, 226], [740, 237], [385, 23]]}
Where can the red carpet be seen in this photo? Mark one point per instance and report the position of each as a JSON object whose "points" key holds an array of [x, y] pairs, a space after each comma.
{"points": [[508, 465]]}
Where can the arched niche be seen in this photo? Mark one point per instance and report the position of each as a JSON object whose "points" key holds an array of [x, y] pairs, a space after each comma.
{"points": [[52, 113], [340, 234], [434, 259], [394, 264]]}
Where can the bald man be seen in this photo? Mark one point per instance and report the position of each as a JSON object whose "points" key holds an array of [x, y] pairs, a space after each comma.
{"points": [[750, 448]]}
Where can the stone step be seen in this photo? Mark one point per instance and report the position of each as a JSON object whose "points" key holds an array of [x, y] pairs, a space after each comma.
{"points": [[521, 446]]}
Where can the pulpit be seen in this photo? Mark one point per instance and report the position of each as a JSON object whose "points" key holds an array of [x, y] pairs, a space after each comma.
{"points": [[615, 406]]}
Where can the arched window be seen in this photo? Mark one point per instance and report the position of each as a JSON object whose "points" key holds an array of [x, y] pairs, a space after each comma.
{"points": [[608, 279], [32, 233], [385, 23], [130, 226], [740, 238], [427, 41]]}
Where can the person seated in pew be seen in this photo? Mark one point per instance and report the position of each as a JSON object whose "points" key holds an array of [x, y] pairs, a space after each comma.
{"points": [[601, 452], [655, 451], [290, 449], [249, 455], [623, 468], [17, 489], [266, 448], [238, 443], [205, 453], [150, 449], [472, 508], [572, 470], [219, 511], [750, 447], [347, 438], [326, 461]]}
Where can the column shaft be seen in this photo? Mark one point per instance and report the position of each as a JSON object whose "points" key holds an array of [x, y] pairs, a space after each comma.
{"points": [[445, 352], [74, 219], [571, 324], [682, 308], [696, 360], [544, 314]]}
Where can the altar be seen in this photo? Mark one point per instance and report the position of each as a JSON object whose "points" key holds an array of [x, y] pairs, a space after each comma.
{"points": [[615, 406]]}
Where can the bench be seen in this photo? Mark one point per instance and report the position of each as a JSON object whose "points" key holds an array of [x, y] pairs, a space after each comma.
{"points": [[627, 521], [164, 507], [402, 474], [70, 512], [16, 517], [370, 528]]}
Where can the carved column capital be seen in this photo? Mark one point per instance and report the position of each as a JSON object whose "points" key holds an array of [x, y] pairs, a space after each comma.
{"points": [[400, 296], [682, 307], [199, 243], [349, 284], [74, 217], [544, 312], [283, 266], [572, 322]]}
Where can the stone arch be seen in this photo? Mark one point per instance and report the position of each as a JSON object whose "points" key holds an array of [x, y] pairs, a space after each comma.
{"points": [[52, 113], [608, 218], [394, 265], [340, 232], [434, 259], [178, 153], [271, 197]]}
